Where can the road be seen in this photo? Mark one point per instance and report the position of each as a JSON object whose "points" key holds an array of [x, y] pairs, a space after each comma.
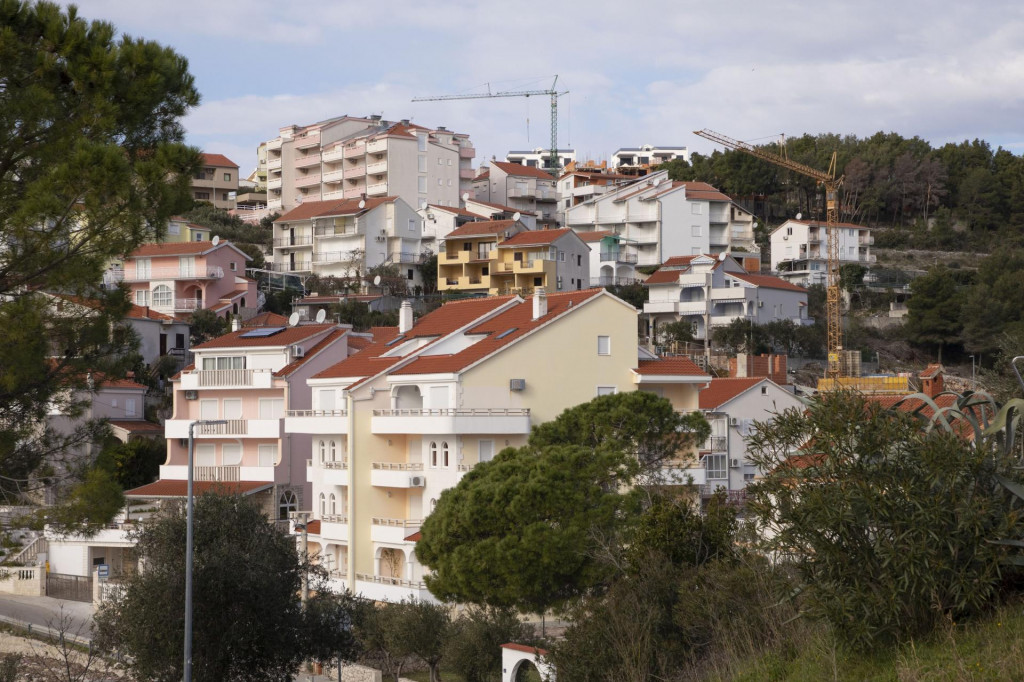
{"points": [[42, 613]]}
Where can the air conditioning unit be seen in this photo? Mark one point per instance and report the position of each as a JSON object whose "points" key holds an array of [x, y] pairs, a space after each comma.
{"points": [[733, 421], [298, 351], [417, 481], [191, 395], [517, 384], [735, 463]]}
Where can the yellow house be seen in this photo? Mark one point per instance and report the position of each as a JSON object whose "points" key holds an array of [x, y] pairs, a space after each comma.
{"points": [[405, 418]]}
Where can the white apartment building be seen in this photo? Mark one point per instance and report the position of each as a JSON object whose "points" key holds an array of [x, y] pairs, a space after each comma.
{"points": [[341, 238], [538, 158], [716, 290], [575, 187], [647, 155], [611, 264], [440, 221], [495, 211], [660, 219], [348, 157], [405, 418], [799, 250], [524, 188]]}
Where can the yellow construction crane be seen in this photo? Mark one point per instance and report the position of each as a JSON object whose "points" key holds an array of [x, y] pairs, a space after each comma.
{"points": [[832, 184]]}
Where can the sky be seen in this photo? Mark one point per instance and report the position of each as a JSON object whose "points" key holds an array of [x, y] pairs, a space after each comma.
{"points": [[636, 71]]}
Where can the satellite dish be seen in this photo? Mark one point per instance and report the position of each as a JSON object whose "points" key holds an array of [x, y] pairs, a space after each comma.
{"points": [[376, 281], [754, 225], [657, 181], [465, 196], [799, 216], [293, 319], [362, 203], [321, 316], [216, 240], [298, 199], [516, 216]]}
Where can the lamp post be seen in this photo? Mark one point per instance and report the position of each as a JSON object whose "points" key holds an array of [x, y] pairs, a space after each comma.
{"points": [[188, 544]]}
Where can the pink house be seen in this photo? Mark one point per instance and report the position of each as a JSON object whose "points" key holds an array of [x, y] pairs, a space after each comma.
{"points": [[178, 278], [249, 377]]}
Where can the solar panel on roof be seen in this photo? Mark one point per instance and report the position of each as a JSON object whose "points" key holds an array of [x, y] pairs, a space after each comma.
{"points": [[260, 332], [395, 340], [506, 333]]}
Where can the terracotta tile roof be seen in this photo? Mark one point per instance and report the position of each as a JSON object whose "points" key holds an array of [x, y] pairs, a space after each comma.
{"points": [[521, 171], [595, 236], [175, 488], [721, 391], [318, 209], [534, 238], [266, 320], [179, 249], [931, 371], [673, 366], [381, 334], [218, 161], [500, 207], [482, 228], [664, 276], [457, 211], [704, 191], [138, 312], [119, 383], [138, 426], [526, 648], [365, 363], [767, 282], [285, 337], [415, 537], [313, 527], [483, 176], [310, 353], [357, 343]]}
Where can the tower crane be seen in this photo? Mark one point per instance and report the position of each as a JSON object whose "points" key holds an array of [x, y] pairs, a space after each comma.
{"points": [[552, 92], [832, 184]]}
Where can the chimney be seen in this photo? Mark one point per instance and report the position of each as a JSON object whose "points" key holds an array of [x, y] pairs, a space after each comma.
{"points": [[540, 303], [442, 129], [405, 121], [932, 381], [236, 324], [405, 317]]}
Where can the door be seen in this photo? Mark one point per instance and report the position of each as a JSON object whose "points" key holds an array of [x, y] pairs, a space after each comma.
{"points": [[163, 344]]}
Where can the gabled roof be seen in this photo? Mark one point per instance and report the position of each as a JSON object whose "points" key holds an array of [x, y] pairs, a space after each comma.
{"points": [[534, 238], [484, 228], [285, 337], [317, 348], [721, 391], [266, 320], [596, 235], [319, 209], [767, 282], [483, 176], [671, 366], [500, 207], [519, 170], [457, 211], [183, 249], [218, 161]]}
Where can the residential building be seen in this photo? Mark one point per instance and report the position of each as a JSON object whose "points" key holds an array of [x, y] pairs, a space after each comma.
{"points": [[494, 211], [575, 187], [716, 290], [524, 188], [538, 158], [348, 157], [177, 279], [349, 237], [181, 230], [216, 181], [439, 221], [611, 264], [799, 249], [414, 411], [259, 175], [502, 256], [661, 218], [644, 157]]}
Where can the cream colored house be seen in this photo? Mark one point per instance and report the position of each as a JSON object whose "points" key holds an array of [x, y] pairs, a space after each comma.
{"points": [[216, 181], [404, 419]]}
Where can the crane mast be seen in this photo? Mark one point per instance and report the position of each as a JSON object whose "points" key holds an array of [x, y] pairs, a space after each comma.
{"points": [[552, 92], [831, 184]]}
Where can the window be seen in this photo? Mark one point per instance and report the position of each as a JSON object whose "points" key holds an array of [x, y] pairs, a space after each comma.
{"points": [[232, 408], [764, 390], [173, 228], [325, 399], [421, 142], [449, 182], [695, 209], [486, 450], [162, 297], [579, 261], [286, 504], [233, 266], [179, 340], [433, 505], [323, 505], [225, 196], [409, 274], [421, 164], [332, 502], [208, 409], [607, 390], [231, 454], [433, 454], [440, 182], [561, 256], [203, 196], [412, 224], [323, 451], [444, 454], [206, 455], [440, 161], [143, 268], [789, 230], [267, 455], [604, 345], [421, 184], [695, 230], [271, 408], [227, 177], [199, 236], [714, 465], [449, 162], [332, 451], [142, 297], [224, 362], [129, 408]]}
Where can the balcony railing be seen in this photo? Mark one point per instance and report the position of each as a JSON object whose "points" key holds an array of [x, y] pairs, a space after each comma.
{"points": [[354, 150], [297, 266], [170, 273], [380, 188], [397, 466], [406, 257], [377, 168], [308, 180], [310, 139], [210, 378], [334, 154], [618, 257], [333, 176], [273, 163], [232, 427], [612, 281], [397, 582], [335, 464], [225, 473], [293, 241], [397, 523], [307, 161], [316, 413], [467, 152], [456, 412], [334, 518], [715, 444]]}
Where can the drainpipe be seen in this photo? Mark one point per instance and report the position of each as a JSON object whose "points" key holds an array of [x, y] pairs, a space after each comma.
{"points": [[350, 507]]}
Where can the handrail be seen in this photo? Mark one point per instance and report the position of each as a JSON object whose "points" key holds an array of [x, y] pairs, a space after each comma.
{"points": [[457, 412], [398, 466]]}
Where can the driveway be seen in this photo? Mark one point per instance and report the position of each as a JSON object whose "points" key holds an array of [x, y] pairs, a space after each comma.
{"points": [[47, 614]]}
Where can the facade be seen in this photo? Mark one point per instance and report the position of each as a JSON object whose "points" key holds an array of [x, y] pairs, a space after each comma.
{"points": [[405, 418], [523, 188], [495, 211], [717, 290], [177, 279], [348, 157], [180, 230], [216, 181], [636, 158], [799, 250], [660, 219], [611, 263], [439, 221], [575, 187], [346, 237], [538, 158]]}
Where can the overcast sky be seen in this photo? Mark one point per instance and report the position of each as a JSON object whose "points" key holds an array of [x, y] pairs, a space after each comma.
{"points": [[637, 71]]}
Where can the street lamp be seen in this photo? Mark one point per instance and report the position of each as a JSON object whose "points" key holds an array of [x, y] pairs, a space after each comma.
{"points": [[188, 545]]}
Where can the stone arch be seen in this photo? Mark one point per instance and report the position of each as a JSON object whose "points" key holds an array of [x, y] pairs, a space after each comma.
{"points": [[518, 660]]}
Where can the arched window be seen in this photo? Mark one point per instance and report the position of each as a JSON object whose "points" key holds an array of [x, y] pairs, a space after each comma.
{"points": [[444, 454], [162, 296], [323, 452], [433, 454], [323, 505], [333, 504], [287, 504], [334, 451]]}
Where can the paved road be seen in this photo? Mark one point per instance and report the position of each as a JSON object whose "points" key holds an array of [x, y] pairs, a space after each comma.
{"points": [[45, 612]]}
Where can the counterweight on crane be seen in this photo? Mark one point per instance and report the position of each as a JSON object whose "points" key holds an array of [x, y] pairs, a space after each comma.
{"points": [[832, 184], [552, 164]]}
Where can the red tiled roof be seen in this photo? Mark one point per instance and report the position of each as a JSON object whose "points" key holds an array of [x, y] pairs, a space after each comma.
{"points": [[457, 211], [481, 228], [317, 209], [119, 383], [285, 337], [595, 236], [931, 371], [520, 170], [415, 537], [365, 363], [525, 648], [179, 249], [381, 334], [483, 176], [218, 161], [266, 320], [175, 488], [500, 207], [664, 276], [767, 282], [319, 346], [137, 426], [313, 527], [534, 237], [357, 343], [674, 366], [138, 312], [721, 391]]}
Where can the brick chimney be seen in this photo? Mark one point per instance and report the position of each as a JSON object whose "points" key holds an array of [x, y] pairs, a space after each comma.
{"points": [[932, 382]]}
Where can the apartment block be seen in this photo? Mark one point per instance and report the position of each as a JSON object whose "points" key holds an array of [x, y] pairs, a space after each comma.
{"points": [[611, 264], [348, 237], [216, 181], [659, 218], [799, 249], [503, 257], [396, 424], [440, 221], [646, 156], [348, 157], [495, 211], [575, 187], [715, 290], [538, 157], [524, 188]]}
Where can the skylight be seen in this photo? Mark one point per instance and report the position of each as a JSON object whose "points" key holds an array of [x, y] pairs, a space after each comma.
{"points": [[506, 333], [260, 332]]}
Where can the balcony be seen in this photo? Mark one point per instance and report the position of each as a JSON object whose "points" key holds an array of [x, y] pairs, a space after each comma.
{"points": [[274, 144], [396, 475], [334, 527], [274, 183], [866, 239], [467, 174], [380, 189], [333, 154], [353, 172], [331, 257], [307, 161], [334, 176], [173, 273], [226, 378], [297, 266], [715, 444], [522, 193], [308, 180], [274, 164], [393, 531], [377, 168], [609, 281], [318, 422], [292, 241], [377, 146], [467, 152], [458, 421], [381, 588], [310, 139], [618, 257], [642, 217], [249, 428], [179, 472], [351, 151], [406, 257], [454, 257], [336, 194], [354, 192], [275, 204]]}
